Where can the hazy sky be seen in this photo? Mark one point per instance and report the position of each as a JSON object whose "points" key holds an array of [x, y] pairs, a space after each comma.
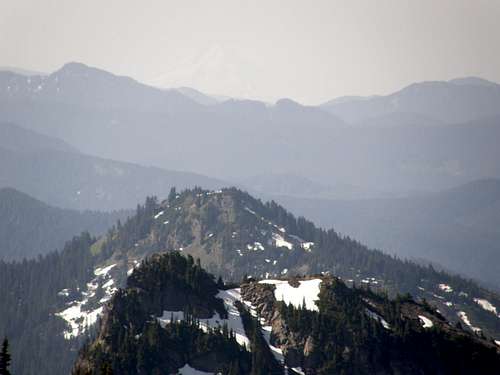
{"points": [[310, 51]]}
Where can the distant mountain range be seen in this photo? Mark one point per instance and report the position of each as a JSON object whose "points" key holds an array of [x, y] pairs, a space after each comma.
{"points": [[29, 228], [56, 173], [235, 139], [455, 101]]}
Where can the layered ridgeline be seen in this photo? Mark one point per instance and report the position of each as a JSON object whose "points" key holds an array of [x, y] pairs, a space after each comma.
{"points": [[403, 141], [29, 227], [54, 172], [459, 228], [174, 318], [233, 235]]}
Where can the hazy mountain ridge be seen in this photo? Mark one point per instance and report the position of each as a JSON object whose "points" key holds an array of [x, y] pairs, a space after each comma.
{"points": [[457, 228], [241, 137], [29, 228], [455, 101], [50, 170]]}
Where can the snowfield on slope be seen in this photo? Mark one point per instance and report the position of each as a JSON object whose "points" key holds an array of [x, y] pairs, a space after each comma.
{"points": [[378, 318], [233, 320], [426, 322], [307, 292], [486, 305], [77, 315], [188, 370], [463, 316]]}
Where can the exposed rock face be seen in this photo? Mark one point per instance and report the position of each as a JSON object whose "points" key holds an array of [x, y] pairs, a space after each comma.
{"points": [[295, 348]]}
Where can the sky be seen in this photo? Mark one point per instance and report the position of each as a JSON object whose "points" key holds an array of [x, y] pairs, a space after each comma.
{"points": [[310, 51]]}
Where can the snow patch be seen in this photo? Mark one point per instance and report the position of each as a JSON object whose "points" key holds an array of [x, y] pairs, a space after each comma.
{"points": [[307, 291], [463, 316], [307, 246], [378, 318], [103, 271], [79, 320], [426, 322], [279, 241], [63, 293], [486, 305], [159, 214], [188, 370], [233, 320], [256, 246], [78, 315], [445, 288]]}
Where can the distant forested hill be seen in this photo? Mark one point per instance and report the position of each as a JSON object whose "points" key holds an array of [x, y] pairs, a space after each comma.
{"points": [[29, 227]]}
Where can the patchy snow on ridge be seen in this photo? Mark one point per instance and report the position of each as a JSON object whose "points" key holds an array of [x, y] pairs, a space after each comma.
{"points": [[78, 319], [257, 246], [486, 305], [159, 214], [188, 370], [463, 316], [445, 288], [63, 293], [378, 318], [103, 271], [80, 314], [426, 322], [233, 320], [277, 352], [279, 241], [308, 292], [307, 246]]}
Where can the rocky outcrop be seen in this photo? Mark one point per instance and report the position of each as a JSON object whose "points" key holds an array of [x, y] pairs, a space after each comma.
{"points": [[296, 349]]}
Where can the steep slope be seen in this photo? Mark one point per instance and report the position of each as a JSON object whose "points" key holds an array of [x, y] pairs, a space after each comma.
{"points": [[172, 317], [456, 228], [29, 227], [198, 96], [454, 101], [49, 170], [32, 292]]}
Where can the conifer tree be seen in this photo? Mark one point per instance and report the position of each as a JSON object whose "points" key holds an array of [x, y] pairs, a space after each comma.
{"points": [[5, 358]]}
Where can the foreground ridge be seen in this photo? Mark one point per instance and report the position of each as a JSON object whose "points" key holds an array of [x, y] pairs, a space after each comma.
{"points": [[173, 317]]}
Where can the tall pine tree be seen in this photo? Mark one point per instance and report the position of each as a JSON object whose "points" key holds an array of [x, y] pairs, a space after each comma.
{"points": [[5, 358]]}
